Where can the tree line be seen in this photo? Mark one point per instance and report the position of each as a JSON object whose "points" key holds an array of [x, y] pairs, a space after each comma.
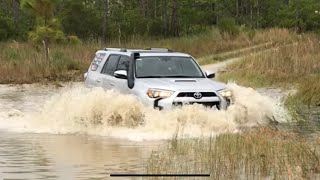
{"points": [[122, 20]]}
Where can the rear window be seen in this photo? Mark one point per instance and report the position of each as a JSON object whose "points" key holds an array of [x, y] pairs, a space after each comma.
{"points": [[110, 65]]}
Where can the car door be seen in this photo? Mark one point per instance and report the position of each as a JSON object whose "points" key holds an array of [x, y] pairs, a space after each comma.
{"points": [[108, 79], [121, 84]]}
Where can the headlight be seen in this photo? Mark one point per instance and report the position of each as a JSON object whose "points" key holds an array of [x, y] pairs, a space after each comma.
{"points": [[225, 93], [159, 93]]}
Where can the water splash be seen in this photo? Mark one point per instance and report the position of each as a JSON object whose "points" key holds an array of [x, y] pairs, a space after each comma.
{"points": [[107, 113]]}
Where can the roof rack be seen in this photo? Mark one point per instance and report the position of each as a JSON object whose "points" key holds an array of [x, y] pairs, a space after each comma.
{"points": [[116, 49], [160, 49], [140, 50]]}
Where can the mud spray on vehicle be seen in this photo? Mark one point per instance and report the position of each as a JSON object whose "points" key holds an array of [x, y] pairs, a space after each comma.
{"points": [[75, 109]]}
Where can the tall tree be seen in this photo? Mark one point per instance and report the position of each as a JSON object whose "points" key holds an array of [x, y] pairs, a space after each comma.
{"points": [[42, 9], [83, 19], [142, 7], [47, 29], [174, 18], [102, 19], [104, 22], [297, 13], [164, 17]]}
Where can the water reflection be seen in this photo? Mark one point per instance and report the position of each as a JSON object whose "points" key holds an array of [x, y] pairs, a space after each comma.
{"points": [[42, 156]]}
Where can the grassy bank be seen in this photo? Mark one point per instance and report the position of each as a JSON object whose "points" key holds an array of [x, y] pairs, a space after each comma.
{"points": [[23, 63], [259, 154], [294, 64], [291, 67]]}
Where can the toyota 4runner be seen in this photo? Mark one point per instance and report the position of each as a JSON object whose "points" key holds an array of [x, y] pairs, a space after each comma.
{"points": [[160, 78]]}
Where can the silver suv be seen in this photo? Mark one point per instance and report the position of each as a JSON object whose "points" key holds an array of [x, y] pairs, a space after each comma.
{"points": [[160, 78]]}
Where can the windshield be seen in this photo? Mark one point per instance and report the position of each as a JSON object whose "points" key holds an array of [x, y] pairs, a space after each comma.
{"points": [[167, 67]]}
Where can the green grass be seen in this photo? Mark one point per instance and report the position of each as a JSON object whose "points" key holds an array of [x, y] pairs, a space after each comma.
{"points": [[284, 65], [262, 153], [295, 66], [24, 63], [236, 53]]}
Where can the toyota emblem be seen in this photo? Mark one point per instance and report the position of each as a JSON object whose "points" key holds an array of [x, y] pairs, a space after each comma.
{"points": [[197, 95]]}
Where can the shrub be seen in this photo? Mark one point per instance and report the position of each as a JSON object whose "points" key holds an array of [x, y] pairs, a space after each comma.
{"points": [[228, 25], [74, 40], [61, 62], [5, 28]]}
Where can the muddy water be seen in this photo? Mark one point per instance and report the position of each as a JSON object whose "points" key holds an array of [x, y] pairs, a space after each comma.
{"points": [[26, 154], [45, 156], [77, 133]]}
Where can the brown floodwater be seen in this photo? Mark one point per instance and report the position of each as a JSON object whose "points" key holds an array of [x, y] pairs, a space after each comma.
{"points": [[47, 156], [70, 132]]}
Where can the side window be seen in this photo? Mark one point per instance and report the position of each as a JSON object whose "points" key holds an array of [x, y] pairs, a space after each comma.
{"points": [[110, 65], [123, 63]]}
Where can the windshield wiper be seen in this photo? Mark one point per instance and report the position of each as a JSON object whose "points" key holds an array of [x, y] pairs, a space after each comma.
{"points": [[151, 76], [180, 76]]}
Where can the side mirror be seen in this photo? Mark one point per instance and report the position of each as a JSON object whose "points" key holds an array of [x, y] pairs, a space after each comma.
{"points": [[121, 74], [210, 74]]}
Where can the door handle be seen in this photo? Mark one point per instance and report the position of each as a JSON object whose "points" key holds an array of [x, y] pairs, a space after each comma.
{"points": [[112, 84], [98, 80]]}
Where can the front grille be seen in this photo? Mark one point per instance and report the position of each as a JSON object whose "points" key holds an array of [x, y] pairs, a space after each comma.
{"points": [[206, 104], [190, 94]]}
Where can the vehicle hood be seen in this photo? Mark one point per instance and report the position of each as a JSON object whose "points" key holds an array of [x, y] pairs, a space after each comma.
{"points": [[178, 84]]}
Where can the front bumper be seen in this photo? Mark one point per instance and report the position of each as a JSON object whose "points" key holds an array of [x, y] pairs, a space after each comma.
{"points": [[215, 102]]}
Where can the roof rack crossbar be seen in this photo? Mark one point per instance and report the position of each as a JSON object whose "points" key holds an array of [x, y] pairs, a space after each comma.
{"points": [[116, 49], [160, 49], [147, 49]]}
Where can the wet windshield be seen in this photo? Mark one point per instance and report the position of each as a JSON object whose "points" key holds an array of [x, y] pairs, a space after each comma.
{"points": [[167, 67]]}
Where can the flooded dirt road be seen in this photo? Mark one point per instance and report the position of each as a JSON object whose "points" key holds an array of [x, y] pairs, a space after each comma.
{"points": [[77, 133], [45, 156], [26, 154]]}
